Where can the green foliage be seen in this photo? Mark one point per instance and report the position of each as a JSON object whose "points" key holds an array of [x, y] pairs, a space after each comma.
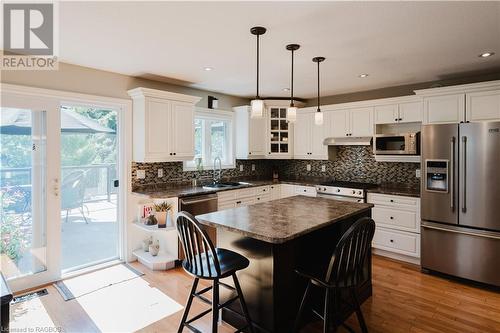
{"points": [[162, 206], [15, 238]]}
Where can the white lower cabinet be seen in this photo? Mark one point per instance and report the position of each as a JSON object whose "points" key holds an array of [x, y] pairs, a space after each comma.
{"points": [[397, 220], [287, 190], [275, 191], [309, 191]]}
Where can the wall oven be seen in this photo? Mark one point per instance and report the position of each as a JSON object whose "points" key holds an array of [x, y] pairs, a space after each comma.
{"points": [[397, 144]]}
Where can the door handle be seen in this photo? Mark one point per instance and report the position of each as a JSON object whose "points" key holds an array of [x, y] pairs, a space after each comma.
{"points": [[56, 187], [452, 166], [485, 235], [464, 188]]}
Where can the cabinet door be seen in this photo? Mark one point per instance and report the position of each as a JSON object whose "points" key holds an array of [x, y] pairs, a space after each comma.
{"points": [[275, 192], [257, 136], [448, 109], [287, 190], [410, 112], [483, 106], [302, 135], [386, 114], [319, 133], [182, 130], [361, 122], [157, 131], [339, 123]]}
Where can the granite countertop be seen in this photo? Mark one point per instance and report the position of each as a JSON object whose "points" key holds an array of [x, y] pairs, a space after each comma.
{"points": [[282, 220], [166, 190], [397, 189]]}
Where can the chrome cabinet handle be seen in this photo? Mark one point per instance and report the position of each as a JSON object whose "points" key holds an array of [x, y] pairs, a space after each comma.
{"points": [[464, 203], [452, 163]]}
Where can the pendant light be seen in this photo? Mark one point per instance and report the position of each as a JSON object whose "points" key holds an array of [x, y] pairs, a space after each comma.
{"points": [[291, 112], [318, 116], [257, 104]]}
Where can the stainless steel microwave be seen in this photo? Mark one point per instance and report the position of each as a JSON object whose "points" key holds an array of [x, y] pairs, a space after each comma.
{"points": [[397, 144]]}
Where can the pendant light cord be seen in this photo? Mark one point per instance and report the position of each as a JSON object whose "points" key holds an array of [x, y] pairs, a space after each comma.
{"points": [[318, 88], [257, 97], [291, 89]]}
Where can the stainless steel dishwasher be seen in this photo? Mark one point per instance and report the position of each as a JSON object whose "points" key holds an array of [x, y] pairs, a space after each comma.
{"points": [[197, 205]]}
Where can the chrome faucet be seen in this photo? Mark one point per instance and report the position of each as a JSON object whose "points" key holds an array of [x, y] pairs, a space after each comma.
{"points": [[217, 176]]}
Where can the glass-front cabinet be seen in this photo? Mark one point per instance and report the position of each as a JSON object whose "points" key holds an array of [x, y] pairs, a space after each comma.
{"points": [[280, 133]]}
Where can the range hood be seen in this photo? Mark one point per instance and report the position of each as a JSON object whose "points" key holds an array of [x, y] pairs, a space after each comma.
{"points": [[348, 141]]}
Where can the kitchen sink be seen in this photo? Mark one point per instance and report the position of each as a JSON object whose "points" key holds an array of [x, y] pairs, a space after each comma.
{"points": [[225, 185]]}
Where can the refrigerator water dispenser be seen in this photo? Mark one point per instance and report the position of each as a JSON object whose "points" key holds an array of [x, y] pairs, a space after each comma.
{"points": [[436, 173]]}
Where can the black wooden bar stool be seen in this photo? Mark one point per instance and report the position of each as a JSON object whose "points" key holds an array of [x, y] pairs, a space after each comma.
{"points": [[345, 272], [204, 261]]}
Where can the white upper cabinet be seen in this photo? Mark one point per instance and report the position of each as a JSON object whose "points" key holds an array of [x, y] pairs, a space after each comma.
{"points": [[361, 124], [163, 125], [182, 130], [462, 103], [350, 123], [386, 114], [339, 123], [483, 106], [250, 134], [279, 136], [404, 112], [444, 109], [308, 137]]}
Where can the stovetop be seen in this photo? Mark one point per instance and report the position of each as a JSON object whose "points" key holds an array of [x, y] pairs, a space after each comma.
{"points": [[347, 184]]}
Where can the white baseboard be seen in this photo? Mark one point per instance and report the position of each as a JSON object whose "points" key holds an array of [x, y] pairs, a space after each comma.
{"points": [[397, 256]]}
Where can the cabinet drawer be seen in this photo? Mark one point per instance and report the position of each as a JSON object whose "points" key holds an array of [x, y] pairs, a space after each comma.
{"points": [[241, 202], [397, 241], [305, 190], [262, 190], [226, 195], [263, 198], [245, 193], [393, 218], [226, 205], [395, 201]]}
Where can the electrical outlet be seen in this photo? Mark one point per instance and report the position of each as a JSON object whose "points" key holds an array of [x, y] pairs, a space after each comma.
{"points": [[160, 173], [308, 167], [323, 168], [253, 167], [141, 174], [417, 173], [241, 167]]}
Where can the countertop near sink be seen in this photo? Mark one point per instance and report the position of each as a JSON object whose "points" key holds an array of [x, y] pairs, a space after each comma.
{"points": [[167, 190], [397, 189]]}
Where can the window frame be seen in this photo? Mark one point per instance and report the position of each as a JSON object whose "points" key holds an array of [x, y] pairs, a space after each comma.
{"points": [[214, 115]]}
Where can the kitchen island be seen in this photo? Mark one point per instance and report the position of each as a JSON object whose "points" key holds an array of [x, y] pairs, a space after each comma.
{"points": [[277, 237]]}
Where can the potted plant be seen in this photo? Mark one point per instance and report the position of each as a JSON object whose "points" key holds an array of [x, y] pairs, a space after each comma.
{"points": [[162, 209]]}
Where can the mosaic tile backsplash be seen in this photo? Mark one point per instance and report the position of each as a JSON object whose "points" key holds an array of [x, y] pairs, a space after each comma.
{"points": [[353, 163]]}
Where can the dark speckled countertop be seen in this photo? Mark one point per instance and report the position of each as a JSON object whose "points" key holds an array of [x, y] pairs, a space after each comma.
{"points": [[166, 190], [282, 220], [397, 189]]}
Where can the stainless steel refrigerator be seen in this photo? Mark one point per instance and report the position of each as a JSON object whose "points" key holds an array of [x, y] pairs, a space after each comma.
{"points": [[460, 200]]}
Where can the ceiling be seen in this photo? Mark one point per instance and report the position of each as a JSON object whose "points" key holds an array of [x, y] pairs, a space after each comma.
{"points": [[396, 43]]}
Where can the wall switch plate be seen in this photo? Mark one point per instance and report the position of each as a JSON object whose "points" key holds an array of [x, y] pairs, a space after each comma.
{"points": [[141, 174], [241, 167], [308, 167], [160, 173], [417, 173], [253, 167], [323, 168]]}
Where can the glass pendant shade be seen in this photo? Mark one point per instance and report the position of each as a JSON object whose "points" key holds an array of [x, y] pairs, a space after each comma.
{"points": [[257, 108], [318, 118], [291, 114]]}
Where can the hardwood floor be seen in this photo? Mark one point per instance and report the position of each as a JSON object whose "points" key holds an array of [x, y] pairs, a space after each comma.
{"points": [[404, 300]]}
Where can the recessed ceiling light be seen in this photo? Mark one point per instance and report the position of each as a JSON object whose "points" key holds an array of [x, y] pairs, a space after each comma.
{"points": [[363, 75], [286, 89], [486, 54], [208, 68]]}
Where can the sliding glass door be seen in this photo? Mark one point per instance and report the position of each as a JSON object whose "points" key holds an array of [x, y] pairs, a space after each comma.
{"points": [[58, 186], [89, 151], [29, 191]]}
